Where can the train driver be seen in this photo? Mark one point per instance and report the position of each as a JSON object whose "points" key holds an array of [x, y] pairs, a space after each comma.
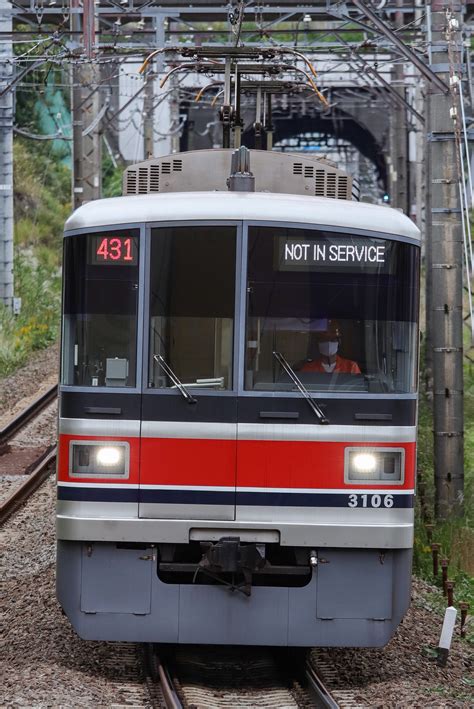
{"points": [[327, 359]]}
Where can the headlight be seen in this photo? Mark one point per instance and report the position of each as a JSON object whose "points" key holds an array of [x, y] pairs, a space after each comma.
{"points": [[109, 456], [364, 462], [367, 465], [99, 459]]}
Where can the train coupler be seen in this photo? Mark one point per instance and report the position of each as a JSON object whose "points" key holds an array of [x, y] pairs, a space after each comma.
{"points": [[228, 555]]}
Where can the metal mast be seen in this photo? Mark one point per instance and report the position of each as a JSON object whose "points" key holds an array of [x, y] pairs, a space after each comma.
{"points": [[148, 118], [6, 156], [446, 267], [85, 106], [399, 136]]}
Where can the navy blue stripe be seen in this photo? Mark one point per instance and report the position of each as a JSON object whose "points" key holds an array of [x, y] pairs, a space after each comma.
{"points": [[319, 499], [97, 494], [222, 497], [189, 497]]}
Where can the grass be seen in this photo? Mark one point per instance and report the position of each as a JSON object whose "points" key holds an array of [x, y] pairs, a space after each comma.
{"points": [[42, 187], [455, 535], [41, 194], [38, 283]]}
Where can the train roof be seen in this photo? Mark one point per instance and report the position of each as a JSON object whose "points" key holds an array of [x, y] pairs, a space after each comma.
{"points": [[250, 206]]}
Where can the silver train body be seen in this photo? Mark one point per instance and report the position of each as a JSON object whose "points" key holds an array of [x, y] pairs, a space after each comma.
{"points": [[220, 478]]}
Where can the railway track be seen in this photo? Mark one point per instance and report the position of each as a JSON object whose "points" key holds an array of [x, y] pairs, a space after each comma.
{"points": [[24, 417], [248, 678], [190, 678], [36, 470]]}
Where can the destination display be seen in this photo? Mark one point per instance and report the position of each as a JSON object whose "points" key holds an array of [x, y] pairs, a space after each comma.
{"points": [[113, 250], [348, 253]]}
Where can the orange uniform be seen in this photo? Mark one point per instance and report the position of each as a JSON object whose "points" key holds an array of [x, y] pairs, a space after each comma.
{"points": [[343, 366]]}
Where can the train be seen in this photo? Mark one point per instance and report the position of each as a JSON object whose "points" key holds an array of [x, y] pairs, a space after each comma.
{"points": [[237, 406]]}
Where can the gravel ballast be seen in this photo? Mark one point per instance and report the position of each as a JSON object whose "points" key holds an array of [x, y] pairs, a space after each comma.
{"points": [[405, 673], [40, 372], [46, 664]]}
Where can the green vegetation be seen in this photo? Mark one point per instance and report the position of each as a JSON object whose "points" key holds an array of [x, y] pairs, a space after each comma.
{"points": [[111, 177], [37, 326], [42, 198], [456, 536], [42, 189]]}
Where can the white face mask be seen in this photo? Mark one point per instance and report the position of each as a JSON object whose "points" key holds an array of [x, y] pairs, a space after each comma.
{"points": [[328, 349]]}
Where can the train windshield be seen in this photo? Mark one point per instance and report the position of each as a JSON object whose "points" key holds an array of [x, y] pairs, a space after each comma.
{"points": [[341, 309], [100, 309], [192, 302]]}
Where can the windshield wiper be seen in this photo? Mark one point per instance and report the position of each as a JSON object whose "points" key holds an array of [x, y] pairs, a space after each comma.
{"points": [[301, 387], [179, 384]]}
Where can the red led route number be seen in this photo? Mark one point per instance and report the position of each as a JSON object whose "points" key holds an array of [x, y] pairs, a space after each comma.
{"points": [[110, 250]]}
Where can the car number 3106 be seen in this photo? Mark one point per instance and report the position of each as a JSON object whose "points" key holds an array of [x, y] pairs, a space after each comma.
{"points": [[370, 501]]}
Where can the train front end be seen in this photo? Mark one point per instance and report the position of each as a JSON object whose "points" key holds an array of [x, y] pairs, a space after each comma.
{"points": [[237, 420]]}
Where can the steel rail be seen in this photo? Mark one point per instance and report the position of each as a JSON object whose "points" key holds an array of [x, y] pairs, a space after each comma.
{"points": [[27, 414], [169, 692], [322, 696], [38, 475], [158, 676], [315, 689]]}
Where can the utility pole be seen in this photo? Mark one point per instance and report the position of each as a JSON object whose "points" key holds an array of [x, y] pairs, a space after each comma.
{"points": [[417, 144], [85, 105], [399, 135], [446, 266], [174, 116], [149, 114], [6, 157], [400, 146], [428, 248], [148, 117]]}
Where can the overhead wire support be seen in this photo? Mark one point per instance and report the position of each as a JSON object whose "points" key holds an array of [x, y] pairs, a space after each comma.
{"points": [[456, 93], [371, 70], [19, 77], [6, 164], [404, 48]]}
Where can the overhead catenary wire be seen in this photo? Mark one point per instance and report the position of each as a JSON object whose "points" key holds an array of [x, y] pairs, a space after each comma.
{"points": [[456, 91], [318, 93], [466, 144], [196, 63], [464, 218], [201, 91], [188, 65], [300, 55], [40, 136], [282, 49], [465, 209], [154, 54]]}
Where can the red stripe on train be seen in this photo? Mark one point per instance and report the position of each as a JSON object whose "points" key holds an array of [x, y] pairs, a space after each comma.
{"points": [[63, 459], [287, 464], [272, 464]]}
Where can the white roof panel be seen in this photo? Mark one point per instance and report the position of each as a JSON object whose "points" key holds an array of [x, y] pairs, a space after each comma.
{"points": [[187, 206]]}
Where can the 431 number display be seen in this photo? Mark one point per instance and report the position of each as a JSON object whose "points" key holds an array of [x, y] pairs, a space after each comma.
{"points": [[110, 250]]}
